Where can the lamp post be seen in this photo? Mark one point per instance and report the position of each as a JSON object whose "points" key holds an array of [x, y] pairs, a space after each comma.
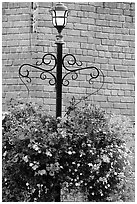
{"points": [[59, 20]]}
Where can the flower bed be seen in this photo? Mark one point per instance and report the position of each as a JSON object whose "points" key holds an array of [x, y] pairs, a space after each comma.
{"points": [[82, 151]]}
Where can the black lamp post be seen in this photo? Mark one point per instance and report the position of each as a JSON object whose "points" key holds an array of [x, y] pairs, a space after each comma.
{"points": [[59, 19]]}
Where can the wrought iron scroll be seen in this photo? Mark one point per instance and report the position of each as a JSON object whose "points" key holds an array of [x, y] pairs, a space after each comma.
{"points": [[24, 72], [74, 72], [69, 62]]}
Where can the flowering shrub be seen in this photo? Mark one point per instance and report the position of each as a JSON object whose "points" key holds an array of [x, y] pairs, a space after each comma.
{"points": [[80, 151]]}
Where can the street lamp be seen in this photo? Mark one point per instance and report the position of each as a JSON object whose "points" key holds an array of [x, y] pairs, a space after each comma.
{"points": [[59, 20]]}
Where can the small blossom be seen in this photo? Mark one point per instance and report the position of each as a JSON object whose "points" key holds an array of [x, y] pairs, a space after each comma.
{"points": [[69, 152], [25, 158], [56, 166], [89, 145], [48, 153], [51, 173], [90, 164], [31, 164], [35, 167], [27, 184], [5, 153], [47, 167], [105, 158], [78, 165], [42, 172], [77, 184], [35, 147]]}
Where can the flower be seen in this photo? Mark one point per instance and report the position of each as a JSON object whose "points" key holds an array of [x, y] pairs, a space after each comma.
{"points": [[89, 145], [5, 153], [51, 173], [48, 153], [34, 165], [42, 172], [77, 184], [90, 164], [69, 152], [25, 158], [35, 147], [103, 179], [105, 158], [56, 165]]}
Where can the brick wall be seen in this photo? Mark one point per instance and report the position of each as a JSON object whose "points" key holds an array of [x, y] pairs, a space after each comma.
{"points": [[99, 34]]}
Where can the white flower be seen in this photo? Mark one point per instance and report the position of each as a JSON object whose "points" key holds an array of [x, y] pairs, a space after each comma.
{"points": [[105, 158], [56, 166], [48, 153], [5, 153], [103, 179], [89, 145], [108, 185], [31, 164], [69, 152], [77, 184], [90, 164], [35, 147], [25, 158], [63, 133], [42, 172], [35, 167], [78, 165], [51, 173]]}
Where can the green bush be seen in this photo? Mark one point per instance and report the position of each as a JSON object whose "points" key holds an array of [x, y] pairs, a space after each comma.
{"points": [[84, 151]]}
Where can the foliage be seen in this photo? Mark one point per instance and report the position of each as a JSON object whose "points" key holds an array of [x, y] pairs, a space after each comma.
{"points": [[81, 151]]}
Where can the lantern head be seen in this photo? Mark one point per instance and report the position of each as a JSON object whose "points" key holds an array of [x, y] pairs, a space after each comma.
{"points": [[59, 16]]}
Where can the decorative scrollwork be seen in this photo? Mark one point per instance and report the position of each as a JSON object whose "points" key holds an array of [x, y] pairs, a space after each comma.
{"points": [[71, 62], [101, 74], [71, 66], [24, 72], [52, 81], [47, 61], [74, 76]]}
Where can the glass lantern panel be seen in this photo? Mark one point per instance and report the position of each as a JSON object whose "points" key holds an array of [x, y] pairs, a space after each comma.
{"points": [[53, 21], [60, 21], [60, 18]]}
